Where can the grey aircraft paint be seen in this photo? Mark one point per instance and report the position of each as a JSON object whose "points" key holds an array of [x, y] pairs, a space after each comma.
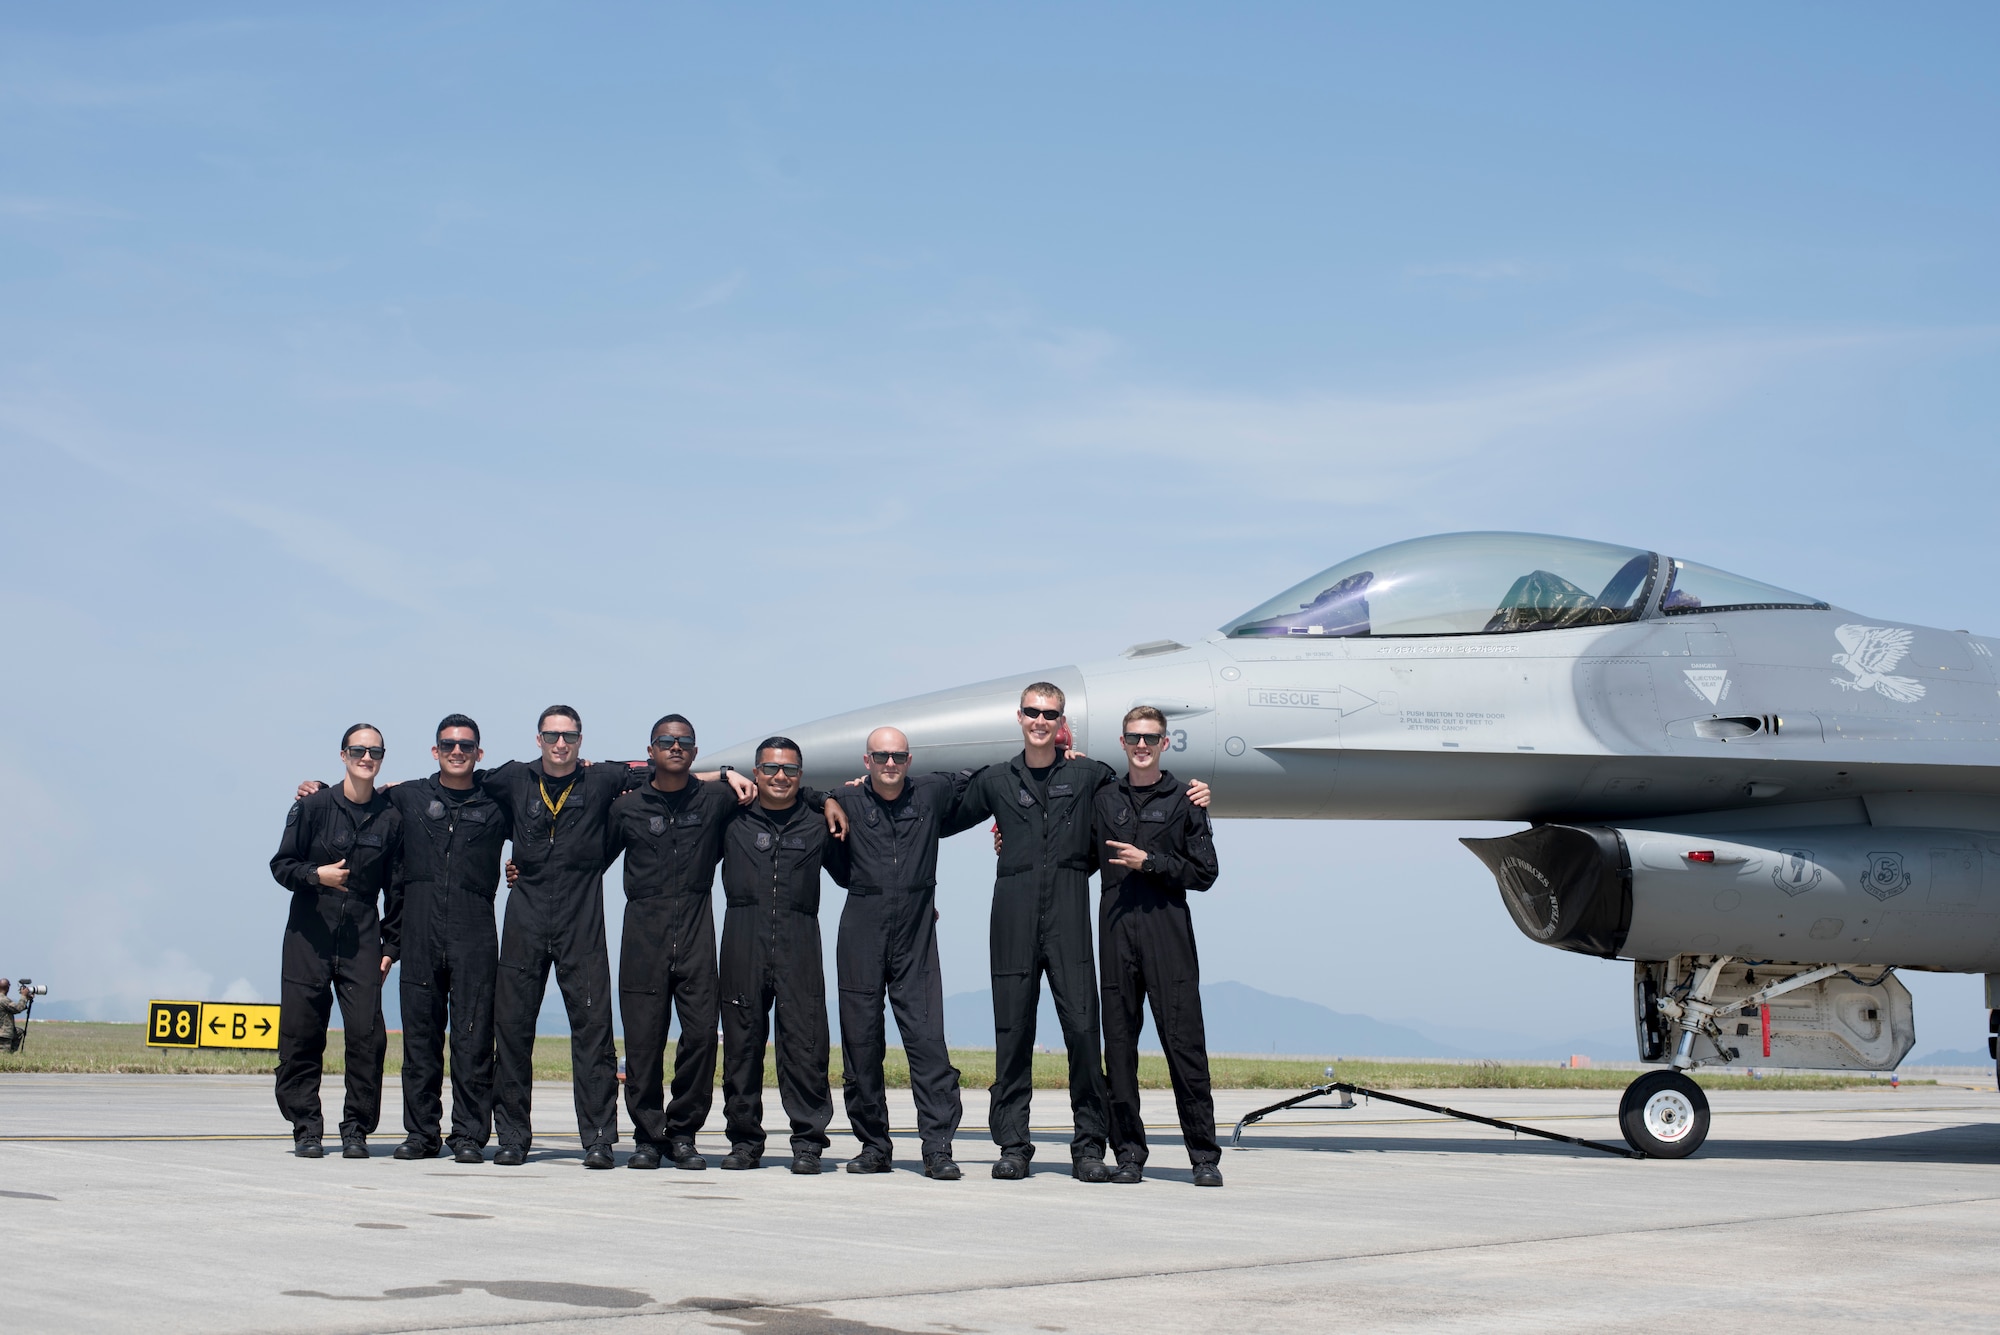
{"points": [[1761, 776]]}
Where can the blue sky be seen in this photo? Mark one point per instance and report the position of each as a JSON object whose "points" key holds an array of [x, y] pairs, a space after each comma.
{"points": [[374, 363]]}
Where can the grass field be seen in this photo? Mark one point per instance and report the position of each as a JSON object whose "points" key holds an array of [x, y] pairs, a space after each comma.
{"points": [[73, 1046]]}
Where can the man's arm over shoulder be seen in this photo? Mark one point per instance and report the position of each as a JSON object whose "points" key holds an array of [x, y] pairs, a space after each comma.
{"points": [[622, 810], [973, 803]]}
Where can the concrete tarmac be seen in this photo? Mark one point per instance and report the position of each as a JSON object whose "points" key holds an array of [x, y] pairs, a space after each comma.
{"points": [[140, 1203]]}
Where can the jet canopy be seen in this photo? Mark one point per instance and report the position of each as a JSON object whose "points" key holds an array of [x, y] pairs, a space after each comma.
{"points": [[1494, 583]]}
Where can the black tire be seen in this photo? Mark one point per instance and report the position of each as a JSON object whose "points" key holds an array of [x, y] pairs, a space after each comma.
{"points": [[1664, 1115]]}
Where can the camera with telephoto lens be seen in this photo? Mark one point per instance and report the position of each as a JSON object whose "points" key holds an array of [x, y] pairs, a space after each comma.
{"points": [[31, 988]]}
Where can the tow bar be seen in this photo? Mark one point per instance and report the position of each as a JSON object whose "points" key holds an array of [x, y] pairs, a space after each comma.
{"points": [[1348, 1091]]}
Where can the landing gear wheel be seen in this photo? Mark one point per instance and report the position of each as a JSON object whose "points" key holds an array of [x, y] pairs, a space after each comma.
{"points": [[1664, 1115]]}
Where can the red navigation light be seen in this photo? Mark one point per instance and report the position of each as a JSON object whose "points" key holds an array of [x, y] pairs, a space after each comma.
{"points": [[1702, 855]]}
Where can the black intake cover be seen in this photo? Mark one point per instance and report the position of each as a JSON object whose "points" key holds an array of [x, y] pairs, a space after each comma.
{"points": [[1568, 886]]}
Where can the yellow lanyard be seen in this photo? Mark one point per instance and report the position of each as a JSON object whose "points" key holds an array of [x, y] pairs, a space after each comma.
{"points": [[555, 807]]}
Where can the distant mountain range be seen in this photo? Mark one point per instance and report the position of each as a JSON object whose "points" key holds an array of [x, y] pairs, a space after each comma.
{"points": [[1243, 1019], [1951, 1057]]}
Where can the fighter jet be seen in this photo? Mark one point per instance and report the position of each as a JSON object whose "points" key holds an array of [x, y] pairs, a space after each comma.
{"points": [[1765, 803]]}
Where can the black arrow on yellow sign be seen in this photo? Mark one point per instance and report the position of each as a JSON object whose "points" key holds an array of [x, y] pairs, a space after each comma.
{"points": [[263, 1026]]}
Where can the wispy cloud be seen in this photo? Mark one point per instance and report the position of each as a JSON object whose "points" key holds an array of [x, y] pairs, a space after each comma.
{"points": [[1484, 271], [1362, 447], [30, 206], [715, 294], [367, 568]]}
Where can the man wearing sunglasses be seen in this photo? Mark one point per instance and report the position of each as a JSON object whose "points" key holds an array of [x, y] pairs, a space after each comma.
{"points": [[1157, 846], [1041, 800], [440, 918], [771, 956], [671, 834], [888, 941], [337, 854]]}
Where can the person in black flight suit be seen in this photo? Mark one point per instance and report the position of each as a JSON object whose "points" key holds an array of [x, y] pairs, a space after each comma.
{"points": [[771, 860], [888, 939], [670, 832], [441, 917], [1159, 847], [336, 856], [1041, 800], [555, 916]]}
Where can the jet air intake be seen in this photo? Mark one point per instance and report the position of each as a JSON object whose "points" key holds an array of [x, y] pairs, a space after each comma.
{"points": [[1827, 894], [1565, 886]]}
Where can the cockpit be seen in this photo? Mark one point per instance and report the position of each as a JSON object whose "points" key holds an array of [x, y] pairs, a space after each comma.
{"points": [[1501, 583]]}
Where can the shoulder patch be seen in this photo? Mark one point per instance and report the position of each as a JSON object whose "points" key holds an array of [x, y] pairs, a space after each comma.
{"points": [[292, 816]]}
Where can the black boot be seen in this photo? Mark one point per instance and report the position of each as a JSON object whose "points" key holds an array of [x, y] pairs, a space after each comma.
{"points": [[1010, 1167], [1089, 1170], [644, 1156]]}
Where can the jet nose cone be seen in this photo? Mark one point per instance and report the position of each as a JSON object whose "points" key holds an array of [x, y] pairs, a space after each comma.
{"points": [[962, 728]]}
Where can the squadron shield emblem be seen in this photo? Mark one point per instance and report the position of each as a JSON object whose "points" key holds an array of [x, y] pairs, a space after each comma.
{"points": [[657, 824], [1885, 877], [763, 842], [435, 809], [1796, 871]]}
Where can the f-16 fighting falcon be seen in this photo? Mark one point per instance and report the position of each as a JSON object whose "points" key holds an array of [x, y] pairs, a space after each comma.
{"points": [[1765, 803]]}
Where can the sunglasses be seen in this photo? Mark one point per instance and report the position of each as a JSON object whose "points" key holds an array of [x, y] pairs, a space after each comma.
{"points": [[1050, 714], [446, 745], [890, 757], [666, 741], [553, 737], [372, 752], [771, 770], [1144, 738]]}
